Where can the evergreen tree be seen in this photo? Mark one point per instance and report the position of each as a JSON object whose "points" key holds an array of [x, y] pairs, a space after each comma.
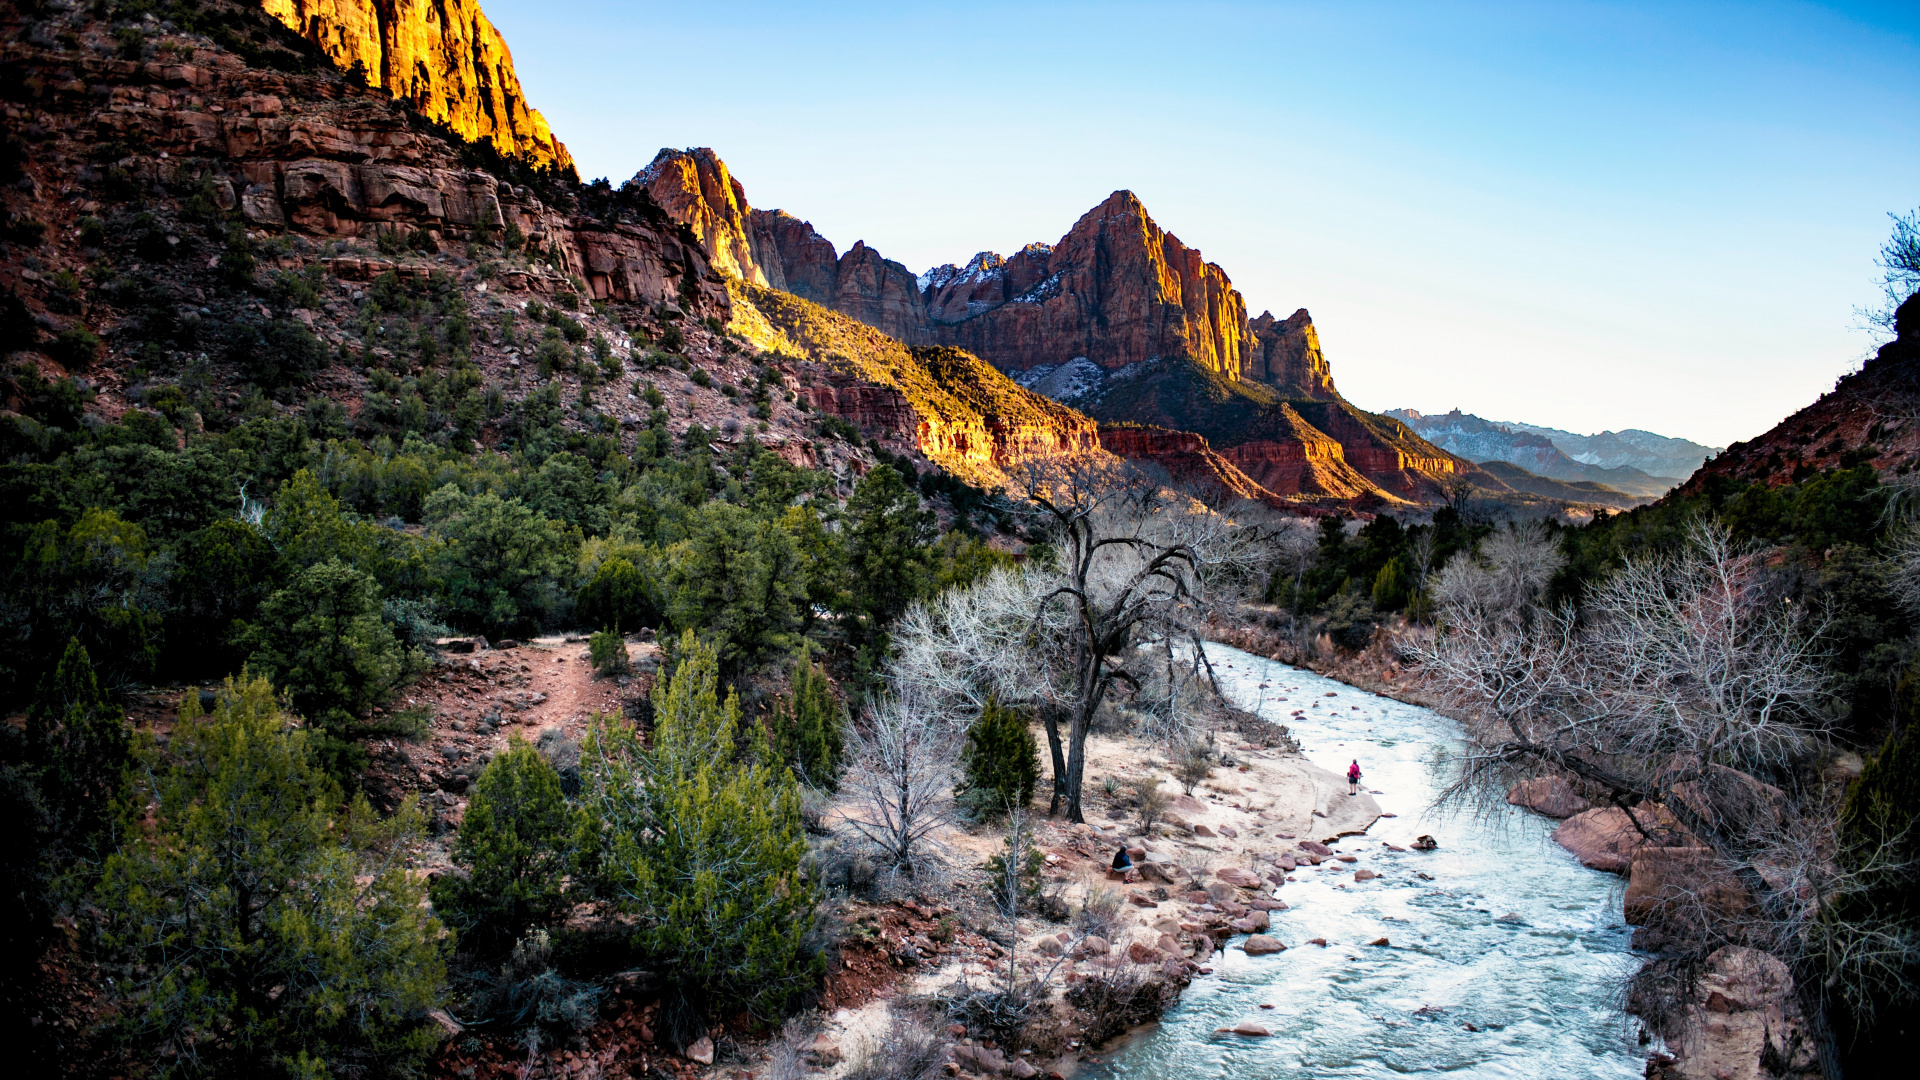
{"points": [[1001, 760], [76, 747], [266, 928], [889, 553], [515, 843], [322, 639], [618, 595], [808, 727], [700, 839], [736, 578]]}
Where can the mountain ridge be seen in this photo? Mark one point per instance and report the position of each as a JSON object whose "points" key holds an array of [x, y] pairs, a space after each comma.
{"points": [[1118, 318]]}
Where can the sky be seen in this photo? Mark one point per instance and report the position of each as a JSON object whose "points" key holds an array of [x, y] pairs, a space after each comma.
{"points": [[1581, 215]]}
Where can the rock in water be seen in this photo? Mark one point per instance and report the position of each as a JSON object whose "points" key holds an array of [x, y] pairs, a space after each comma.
{"points": [[1261, 945], [1547, 795]]}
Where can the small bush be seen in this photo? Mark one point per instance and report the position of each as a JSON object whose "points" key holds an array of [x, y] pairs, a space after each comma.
{"points": [[1111, 1001], [1099, 913], [77, 349], [700, 377], [1195, 766], [672, 339], [1014, 872], [607, 649], [531, 990], [1001, 760], [515, 844], [1153, 803]]}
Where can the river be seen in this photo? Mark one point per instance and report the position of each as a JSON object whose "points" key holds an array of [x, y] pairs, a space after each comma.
{"points": [[1507, 963]]}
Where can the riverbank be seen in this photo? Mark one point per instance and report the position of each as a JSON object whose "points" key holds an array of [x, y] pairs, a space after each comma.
{"points": [[1208, 871]]}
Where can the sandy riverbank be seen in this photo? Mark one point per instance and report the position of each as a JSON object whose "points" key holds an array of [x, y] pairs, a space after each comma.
{"points": [[1211, 871]]}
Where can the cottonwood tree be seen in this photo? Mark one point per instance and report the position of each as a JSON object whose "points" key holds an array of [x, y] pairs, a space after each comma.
{"points": [[1685, 691], [1136, 563]]}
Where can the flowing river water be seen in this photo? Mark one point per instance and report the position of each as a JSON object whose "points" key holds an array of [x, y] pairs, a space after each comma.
{"points": [[1505, 964]]}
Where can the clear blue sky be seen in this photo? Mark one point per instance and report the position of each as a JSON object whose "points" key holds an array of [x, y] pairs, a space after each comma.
{"points": [[1590, 216]]}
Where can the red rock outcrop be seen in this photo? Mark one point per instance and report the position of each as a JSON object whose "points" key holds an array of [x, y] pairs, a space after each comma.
{"points": [[1290, 456], [317, 156], [1117, 289], [1183, 454], [1286, 355], [442, 56], [956, 409]]}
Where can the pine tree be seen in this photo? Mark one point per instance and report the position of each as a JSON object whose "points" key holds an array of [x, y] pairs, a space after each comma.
{"points": [[808, 727], [515, 843], [700, 838], [267, 928], [76, 745], [1002, 760]]}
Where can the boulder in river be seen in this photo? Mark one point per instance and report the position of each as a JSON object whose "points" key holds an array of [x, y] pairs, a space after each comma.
{"points": [[1247, 1028], [1604, 838], [1548, 795], [1315, 847], [1261, 945], [1425, 843]]}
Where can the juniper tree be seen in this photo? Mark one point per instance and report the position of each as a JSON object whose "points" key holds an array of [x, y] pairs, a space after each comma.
{"points": [[696, 834], [259, 925], [515, 843], [809, 730]]}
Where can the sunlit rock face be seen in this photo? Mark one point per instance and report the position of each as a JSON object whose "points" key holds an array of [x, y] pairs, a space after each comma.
{"points": [[1117, 289], [443, 56]]}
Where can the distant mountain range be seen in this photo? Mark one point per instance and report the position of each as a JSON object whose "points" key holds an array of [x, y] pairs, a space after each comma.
{"points": [[1634, 462]]}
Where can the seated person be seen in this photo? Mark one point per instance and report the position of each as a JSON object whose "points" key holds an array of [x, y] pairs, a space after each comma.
{"points": [[1123, 864]]}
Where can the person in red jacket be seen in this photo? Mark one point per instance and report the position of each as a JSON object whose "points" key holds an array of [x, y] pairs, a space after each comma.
{"points": [[1353, 778]]}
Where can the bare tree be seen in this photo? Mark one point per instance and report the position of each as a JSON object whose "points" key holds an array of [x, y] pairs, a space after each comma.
{"points": [[1899, 264], [1296, 547], [901, 780], [1505, 580], [1683, 691]]}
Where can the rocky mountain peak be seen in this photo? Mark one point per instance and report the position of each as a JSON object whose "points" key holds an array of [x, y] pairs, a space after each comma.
{"points": [[444, 57], [1286, 355], [695, 187]]}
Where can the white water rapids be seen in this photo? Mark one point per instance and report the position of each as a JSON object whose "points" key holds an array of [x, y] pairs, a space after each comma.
{"points": [[1506, 964]]}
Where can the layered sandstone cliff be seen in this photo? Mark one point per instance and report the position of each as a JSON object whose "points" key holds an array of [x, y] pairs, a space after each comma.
{"points": [[1117, 289], [1119, 319], [1186, 456], [292, 152], [442, 56]]}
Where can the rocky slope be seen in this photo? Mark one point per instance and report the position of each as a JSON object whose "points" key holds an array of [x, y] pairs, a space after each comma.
{"points": [[181, 215], [443, 57], [1872, 415], [948, 405]]}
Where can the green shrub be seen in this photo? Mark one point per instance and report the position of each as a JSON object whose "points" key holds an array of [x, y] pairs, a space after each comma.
{"points": [[672, 339], [607, 650], [700, 377], [322, 638], [77, 349], [76, 746], [809, 726], [266, 929], [1001, 760], [391, 242], [618, 594], [515, 844], [701, 840]]}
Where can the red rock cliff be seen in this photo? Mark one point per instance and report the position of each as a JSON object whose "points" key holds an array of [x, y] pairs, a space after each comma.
{"points": [[1117, 289], [442, 56], [1286, 355]]}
